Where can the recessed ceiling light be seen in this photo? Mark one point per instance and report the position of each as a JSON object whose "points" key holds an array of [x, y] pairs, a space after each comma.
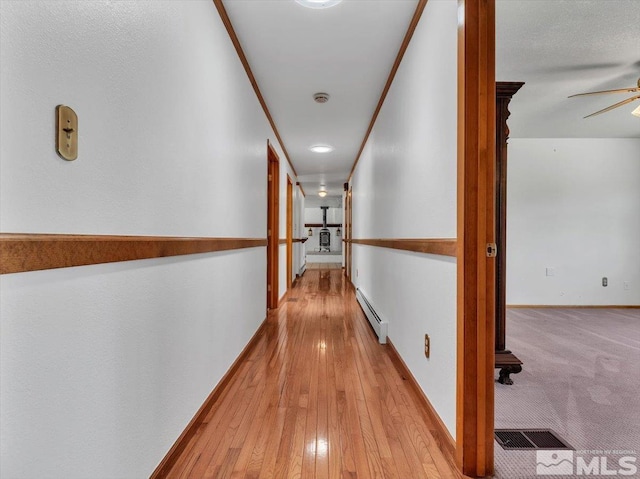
{"points": [[321, 148], [318, 3]]}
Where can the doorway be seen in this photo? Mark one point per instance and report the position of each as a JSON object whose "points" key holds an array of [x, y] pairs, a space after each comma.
{"points": [[273, 225]]}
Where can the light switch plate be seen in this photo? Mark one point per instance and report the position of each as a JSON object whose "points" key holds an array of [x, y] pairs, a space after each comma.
{"points": [[66, 133]]}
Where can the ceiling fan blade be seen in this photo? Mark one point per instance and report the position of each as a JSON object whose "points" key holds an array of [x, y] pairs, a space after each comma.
{"points": [[620, 103], [620, 90]]}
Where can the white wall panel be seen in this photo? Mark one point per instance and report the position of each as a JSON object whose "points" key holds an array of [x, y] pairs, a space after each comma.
{"points": [[405, 187], [573, 206], [103, 366]]}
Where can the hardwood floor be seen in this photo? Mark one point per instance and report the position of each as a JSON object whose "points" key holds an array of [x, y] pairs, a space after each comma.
{"points": [[318, 397], [324, 265]]}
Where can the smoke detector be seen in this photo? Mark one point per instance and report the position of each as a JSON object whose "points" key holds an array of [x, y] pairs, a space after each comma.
{"points": [[321, 97]]}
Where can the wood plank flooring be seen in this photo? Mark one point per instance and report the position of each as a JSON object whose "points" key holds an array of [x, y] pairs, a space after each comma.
{"points": [[318, 397]]}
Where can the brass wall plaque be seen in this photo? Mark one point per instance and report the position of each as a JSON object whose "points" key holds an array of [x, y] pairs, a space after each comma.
{"points": [[66, 133]]}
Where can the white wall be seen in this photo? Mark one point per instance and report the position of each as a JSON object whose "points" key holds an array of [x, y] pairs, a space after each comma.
{"points": [[314, 214], [103, 366], [405, 187], [573, 205]]}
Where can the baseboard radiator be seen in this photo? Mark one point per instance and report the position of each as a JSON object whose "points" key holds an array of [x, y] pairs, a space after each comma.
{"points": [[378, 324]]}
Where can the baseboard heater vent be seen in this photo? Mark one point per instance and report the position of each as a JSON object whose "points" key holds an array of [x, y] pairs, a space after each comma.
{"points": [[519, 439], [379, 326]]}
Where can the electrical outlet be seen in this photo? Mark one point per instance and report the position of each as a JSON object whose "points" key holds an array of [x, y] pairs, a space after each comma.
{"points": [[626, 285], [550, 271], [605, 282], [427, 346]]}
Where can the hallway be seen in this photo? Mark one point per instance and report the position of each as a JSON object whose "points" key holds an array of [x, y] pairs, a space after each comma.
{"points": [[317, 397]]}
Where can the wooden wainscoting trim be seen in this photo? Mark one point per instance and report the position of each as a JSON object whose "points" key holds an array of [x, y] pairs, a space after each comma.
{"points": [[573, 306], [33, 252], [224, 16], [439, 246], [403, 48], [440, 431], [320, 225], [192, 428]]}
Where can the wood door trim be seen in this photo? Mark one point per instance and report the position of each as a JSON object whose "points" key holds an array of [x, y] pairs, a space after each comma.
{"points": [[439, 246], [348, 229], [273, 226], [224, 16], [442, 435], [403, 48], [33, 252], [192, 428], [476, 228]]}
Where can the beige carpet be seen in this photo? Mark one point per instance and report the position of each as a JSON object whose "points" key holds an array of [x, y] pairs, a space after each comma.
{"points": [[581, 378]]}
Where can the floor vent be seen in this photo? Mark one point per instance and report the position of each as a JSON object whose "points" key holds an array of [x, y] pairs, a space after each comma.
{"points": [[520, 439], [378, 324]]}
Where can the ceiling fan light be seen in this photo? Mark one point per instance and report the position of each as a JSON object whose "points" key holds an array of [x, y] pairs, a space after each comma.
{"points": [[636, 112]]}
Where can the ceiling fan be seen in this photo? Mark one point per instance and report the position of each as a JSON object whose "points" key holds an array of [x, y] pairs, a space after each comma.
{"points": [[635, 89]]}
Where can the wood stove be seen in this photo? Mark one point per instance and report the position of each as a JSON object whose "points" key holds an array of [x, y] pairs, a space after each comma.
{"points": [[325, 234]]}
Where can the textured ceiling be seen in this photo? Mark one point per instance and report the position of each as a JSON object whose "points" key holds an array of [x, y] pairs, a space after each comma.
{"points": [[562, 47], [557, 47]]}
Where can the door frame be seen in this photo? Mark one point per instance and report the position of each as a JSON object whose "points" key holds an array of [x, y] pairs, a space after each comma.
{"points": [[289, 232], [476, 232], [273, 225], [347, 230]]}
